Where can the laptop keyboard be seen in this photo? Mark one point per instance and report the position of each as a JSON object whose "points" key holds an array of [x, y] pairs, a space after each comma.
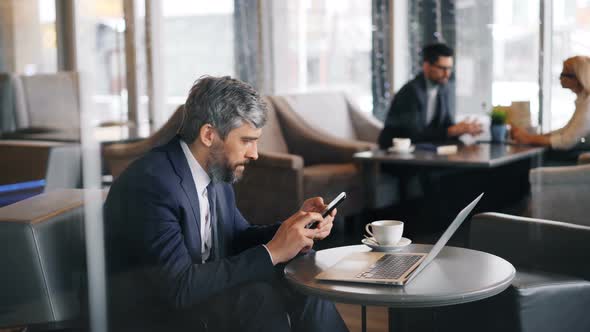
{"points": [[390, 267]]}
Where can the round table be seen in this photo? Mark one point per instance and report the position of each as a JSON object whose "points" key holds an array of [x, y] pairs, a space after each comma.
{"points": [[456, 275]]}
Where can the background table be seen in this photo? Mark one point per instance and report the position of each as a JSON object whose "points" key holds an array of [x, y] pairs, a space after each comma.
{"points": [[478, 156], [104, 135], [456, 276]]}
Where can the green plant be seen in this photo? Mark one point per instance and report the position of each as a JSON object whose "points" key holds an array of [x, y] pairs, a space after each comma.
{"points": [[499, 115]]}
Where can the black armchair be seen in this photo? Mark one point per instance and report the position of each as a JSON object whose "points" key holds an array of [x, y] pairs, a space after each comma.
{"points": [[551, 290]]}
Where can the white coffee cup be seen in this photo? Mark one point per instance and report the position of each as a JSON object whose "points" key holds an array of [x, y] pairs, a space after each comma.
{"points": [[401, 144], [386, 232]]}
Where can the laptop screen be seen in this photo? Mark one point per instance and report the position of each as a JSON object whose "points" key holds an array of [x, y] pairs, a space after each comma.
{"points": [[446, 236]]}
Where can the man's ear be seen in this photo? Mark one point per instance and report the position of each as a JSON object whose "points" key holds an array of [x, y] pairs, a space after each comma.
{"points": [[207, 134]]}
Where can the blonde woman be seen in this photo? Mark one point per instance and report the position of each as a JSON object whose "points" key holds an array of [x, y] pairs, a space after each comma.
{"points": [[575, 76]]}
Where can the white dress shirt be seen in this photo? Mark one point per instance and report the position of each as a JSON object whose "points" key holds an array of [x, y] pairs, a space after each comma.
{"points": [[576, 128], [202, 180], [431, 93]]}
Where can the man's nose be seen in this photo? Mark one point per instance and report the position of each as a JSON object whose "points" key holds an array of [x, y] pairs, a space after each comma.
{"points": [[252, 152]]}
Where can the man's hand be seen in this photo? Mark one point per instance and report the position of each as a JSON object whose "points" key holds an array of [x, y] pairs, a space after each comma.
{"points": [[292, 237], [324, 227], [315, 204], [465, 127]]}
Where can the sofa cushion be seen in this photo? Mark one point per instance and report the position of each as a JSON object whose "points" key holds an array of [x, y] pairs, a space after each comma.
{"points": [[272, 138], [52, 100], [326, 112]]}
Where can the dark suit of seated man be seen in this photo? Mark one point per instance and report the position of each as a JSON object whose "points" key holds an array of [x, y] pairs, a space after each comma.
{"points": [[421, 109], [181, 256]]}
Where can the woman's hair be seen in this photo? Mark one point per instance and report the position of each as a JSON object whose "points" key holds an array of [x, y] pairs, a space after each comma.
{"points": [[581, 66]]}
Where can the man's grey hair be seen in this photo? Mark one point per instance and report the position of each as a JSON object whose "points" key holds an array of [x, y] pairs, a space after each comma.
{"points": [[223, 102]]}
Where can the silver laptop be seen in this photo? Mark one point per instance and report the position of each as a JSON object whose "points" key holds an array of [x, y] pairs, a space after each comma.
{"points": [[391, 268]]}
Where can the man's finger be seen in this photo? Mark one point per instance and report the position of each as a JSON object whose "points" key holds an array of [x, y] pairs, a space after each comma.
{"points": [[309, 233], [307, 242], [307, 217], [317, 201]]}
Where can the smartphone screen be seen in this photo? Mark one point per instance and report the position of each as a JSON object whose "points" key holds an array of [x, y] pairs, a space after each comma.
{"points": [[333, 204]]}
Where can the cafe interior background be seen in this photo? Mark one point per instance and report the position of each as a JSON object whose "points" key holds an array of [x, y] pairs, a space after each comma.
{"points": [[114, 71]]}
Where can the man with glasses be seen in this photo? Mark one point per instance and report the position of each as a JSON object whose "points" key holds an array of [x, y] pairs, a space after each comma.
{"points": [[421, 110]]}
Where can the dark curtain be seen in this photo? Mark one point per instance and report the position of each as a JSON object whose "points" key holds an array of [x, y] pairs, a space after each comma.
{"points": [[429, 21], [247, 41], [380, 57]]}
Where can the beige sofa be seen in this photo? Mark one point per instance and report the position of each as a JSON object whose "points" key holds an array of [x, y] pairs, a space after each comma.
{"points": [[333, 113], [296, 162]]}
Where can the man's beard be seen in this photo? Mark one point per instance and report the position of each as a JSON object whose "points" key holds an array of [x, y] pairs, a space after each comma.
{"points": [[219, 168]]}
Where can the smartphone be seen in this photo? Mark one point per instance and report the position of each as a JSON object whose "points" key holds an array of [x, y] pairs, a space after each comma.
{"points": [[333, 204]]}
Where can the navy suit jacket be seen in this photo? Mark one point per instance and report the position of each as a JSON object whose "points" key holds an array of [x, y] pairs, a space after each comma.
{"points": [[153, 244], [407, 114]]}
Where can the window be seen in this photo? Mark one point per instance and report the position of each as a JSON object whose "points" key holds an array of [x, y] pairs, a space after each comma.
{"points": [[198, 39], [323, 45], [28, 40], [571, 28], [101, 56], [497, 55]]}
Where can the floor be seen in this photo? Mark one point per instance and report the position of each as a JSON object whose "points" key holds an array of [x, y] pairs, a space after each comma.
{"points": [[376, 317]]}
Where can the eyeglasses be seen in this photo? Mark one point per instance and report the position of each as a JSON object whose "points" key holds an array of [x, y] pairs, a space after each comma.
{"points": [[443, 68], [567, 75]]}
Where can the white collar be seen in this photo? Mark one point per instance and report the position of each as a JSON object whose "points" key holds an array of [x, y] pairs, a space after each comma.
{"points": [[200, 177], [430, 86]]}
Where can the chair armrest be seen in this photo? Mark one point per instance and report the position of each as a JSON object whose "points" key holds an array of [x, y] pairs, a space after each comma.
{"points": [[119, 156], [551, 246], [366, 126], [574, 175], [271, 189], [280, 160], [561, 193], [584, 158], [315, 148]]}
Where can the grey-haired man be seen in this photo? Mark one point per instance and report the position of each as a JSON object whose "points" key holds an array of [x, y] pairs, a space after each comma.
{"points": [[178, 247]]}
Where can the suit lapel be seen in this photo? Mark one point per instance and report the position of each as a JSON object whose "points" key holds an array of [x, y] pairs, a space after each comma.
{"points": [[180, 164], [421, 94]]}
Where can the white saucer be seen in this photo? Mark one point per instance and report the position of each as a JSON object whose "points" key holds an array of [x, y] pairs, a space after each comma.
{"points": [[404, 241], [409, 150]]}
